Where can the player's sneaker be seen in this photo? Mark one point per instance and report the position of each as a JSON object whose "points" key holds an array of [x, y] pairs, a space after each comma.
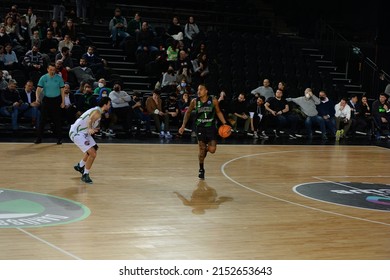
{"points": [[201, 174], [86, 179], [78, 168]]}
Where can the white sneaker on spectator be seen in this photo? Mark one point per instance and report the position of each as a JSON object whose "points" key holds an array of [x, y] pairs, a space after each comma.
{"points": [[168, 135], [162, 134], [263, 135], [255, 136], [109, 132]]}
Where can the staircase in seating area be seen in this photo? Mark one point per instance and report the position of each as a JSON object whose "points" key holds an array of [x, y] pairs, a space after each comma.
{"points": [[117, 60], [343, 86]]}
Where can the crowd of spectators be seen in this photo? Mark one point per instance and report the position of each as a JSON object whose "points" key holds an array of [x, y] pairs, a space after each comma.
{"points": [[178, 56]]}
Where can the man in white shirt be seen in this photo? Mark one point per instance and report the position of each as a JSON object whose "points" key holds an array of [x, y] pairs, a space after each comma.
{"points": [[121, 107], [343, 118]]}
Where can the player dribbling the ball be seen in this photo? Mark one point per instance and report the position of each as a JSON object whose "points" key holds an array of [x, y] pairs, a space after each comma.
{"points": [[206, 107]]}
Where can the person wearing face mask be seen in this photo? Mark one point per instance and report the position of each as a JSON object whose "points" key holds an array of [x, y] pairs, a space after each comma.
{"points": [[326, 111], [121, 107], [307, 104], [168, 83], [182, 88], [102, 83]]}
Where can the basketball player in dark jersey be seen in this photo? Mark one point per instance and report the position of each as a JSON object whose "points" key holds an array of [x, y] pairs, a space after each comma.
{"points": [[206, 107]]}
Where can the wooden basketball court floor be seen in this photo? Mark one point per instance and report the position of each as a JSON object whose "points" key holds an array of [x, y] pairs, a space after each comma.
{"points": [[147, 203]]}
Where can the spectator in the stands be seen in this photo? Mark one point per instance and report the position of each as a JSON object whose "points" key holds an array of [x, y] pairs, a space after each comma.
{"points": [[66, 42], [134, 25], [11, 104], [29, 98], [198, 49], [9, 59], [70, 29], [83, 72], [200, 70], [265, 90], [86, 100], [95, 62], [327, 112], [35, 40], [191, 32], [117, 27], [4, 38], [240, 113], [307, 104], [146, 40], [154, 108], [11, 28], [55, 29], [24, 33], [70, 109], [173, 51], [183, 87], [41, 27], [172, 109], [49, 46], [102, 83], [14, 13], [184, 73], [175, 30], [121, 107], [33, 61], [168, 83], [183, 61], [31, 18], [139, 112], [61, 70], [65, 57]]}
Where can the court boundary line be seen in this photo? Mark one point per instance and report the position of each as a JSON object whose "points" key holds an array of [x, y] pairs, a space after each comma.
{"points": [[223, 166], [49, 244]]}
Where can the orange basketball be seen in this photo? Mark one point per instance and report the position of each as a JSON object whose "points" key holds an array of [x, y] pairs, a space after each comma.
{"points": [[224, 131]]}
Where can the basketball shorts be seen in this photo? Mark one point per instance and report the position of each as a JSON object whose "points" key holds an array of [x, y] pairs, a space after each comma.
{"points": [[82, 140], [206, 134]]}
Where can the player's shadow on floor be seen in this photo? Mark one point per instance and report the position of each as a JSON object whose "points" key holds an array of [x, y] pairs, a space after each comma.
{"points": [[203, 198]]}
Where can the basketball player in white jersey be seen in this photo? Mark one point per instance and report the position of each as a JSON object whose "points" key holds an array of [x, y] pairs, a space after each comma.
{"points": [[81, 134]]}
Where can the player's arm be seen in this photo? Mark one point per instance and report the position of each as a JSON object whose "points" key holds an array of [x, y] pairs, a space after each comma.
{"points": [[218, 111], [187, 115], [95, 115]]}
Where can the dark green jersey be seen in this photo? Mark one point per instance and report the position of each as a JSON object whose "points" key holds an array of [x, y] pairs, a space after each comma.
{"points": [[205, 113]]}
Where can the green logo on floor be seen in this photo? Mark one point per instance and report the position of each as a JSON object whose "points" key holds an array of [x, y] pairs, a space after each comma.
{"points": [[20, 209]]}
